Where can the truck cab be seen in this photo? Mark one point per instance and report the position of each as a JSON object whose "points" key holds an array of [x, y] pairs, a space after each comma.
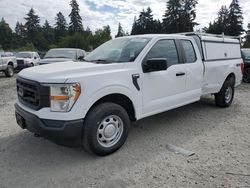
{"points": [[91, 103]]}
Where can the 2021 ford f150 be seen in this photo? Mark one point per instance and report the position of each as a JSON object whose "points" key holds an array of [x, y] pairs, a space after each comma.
{"points": [[91, 103]]}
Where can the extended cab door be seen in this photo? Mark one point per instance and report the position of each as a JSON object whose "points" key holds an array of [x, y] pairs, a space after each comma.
{"points": [[163, 90], [194, 69]]}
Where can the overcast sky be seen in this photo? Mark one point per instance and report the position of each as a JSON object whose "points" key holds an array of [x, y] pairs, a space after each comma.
{"points": [[96, 13]]}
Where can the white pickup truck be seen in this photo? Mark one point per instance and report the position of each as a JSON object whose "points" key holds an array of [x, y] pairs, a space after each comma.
{"points": [[7, 63], [92, 103]]}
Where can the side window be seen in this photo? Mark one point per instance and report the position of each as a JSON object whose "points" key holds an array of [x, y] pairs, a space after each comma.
{"points": [[189, 51], [164, 49]]}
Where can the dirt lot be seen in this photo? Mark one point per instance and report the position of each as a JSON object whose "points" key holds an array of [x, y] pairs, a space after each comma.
{"points": [[220, 139]]}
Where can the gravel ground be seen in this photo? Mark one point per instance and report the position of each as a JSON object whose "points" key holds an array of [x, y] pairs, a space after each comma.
{"points": [[219, 137]]}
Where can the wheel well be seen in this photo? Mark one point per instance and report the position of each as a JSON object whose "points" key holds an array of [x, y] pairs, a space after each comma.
{"points": [[10, 63], [121, 100], [231, 77]]}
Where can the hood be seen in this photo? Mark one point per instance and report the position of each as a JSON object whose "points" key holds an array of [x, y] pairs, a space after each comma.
{"points": [[60, 72], [23, 59], [53, 60]]}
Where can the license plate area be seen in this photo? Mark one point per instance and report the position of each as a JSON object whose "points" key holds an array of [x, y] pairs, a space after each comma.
{"points": [[20, 121]]}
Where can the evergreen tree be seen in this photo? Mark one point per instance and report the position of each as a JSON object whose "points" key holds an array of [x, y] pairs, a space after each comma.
{"points": [[5, 35], [60, 26], [221, 24], [247, 37], [179, 16], [145, 23], [120, 32], [188, 15], [171, 19], [32, 25], [75, 24], [19, 35], [134, 30], [235, 19], [48, 33]]}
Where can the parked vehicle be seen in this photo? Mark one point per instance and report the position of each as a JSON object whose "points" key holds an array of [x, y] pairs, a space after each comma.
{"points": [[7, 63], [59, 55], [246, 58], [27, 59], [126, 79]]}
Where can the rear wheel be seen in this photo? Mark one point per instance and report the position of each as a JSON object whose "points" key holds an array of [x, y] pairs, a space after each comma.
{"points": [[9, 72], [105, 129], [226, 95], [246, 75]]}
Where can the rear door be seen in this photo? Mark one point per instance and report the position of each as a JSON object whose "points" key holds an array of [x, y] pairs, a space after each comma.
{"points": [[194, 68]]}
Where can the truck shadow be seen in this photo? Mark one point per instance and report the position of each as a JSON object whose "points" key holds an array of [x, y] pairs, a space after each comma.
{"points": [[25, 154]]}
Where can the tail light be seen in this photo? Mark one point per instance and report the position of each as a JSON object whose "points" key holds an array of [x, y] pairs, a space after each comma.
{"points": [[242, 67]]}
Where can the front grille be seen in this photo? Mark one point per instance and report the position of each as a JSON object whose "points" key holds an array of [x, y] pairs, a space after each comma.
{"points": [[20, 62], [32, 94]]}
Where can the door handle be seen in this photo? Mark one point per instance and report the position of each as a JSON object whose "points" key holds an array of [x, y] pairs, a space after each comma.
{"points": [[180, 74]]}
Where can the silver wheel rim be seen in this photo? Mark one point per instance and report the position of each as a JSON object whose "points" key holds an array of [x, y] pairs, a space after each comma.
{"points": [[228, 94], [109, 131]]}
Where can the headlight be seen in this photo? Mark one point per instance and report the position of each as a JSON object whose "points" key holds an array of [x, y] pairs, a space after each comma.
{"points": [[63, 96]]}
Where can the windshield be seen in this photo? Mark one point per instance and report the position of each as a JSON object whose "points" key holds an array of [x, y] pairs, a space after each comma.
{"points": [[119, 50], [246, 53], [61, 53], [24, 55]]}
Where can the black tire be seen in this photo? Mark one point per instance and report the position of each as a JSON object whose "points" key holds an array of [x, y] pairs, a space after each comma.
{"points": [[246, 75], [9, 72], [94, 123], [31, 65], [226, 95]]}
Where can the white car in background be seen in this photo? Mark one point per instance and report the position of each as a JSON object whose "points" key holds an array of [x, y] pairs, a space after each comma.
{"points": [[27, 59]]}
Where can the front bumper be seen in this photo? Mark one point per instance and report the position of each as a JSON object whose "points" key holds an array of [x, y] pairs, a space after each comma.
{"points": [[68, 133]]}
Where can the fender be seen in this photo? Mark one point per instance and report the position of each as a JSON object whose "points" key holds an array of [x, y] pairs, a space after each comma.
{"points": [[113, 89]]}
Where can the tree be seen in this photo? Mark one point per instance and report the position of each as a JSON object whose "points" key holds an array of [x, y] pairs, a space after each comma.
{"points": [[120, 32], [171, 18], [60, 26], [5, 35], [134, 30], [145, 23], [179, 16], [220, 25], [101, 36], [235, 19], [48, 33], [19, 35], [247, 37], [75, 24], [188, 15], [32, 25]]}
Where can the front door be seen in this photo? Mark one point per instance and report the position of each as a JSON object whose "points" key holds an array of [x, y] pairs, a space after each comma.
{"points": [[164, 90]]}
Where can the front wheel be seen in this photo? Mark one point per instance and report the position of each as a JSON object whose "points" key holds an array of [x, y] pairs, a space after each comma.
{"points": [[105, 129], [9, 72], [226, 95], [246, 75]]}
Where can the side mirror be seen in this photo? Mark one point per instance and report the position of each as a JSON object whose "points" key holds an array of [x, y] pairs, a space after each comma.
{"points": [[153, 65], [80, 58]]}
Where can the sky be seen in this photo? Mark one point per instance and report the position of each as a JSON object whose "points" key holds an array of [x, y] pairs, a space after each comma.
{"points": [[97, 13]]}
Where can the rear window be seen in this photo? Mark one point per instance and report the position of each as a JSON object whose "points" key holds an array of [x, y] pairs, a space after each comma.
{"points": [[189, 51]]}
